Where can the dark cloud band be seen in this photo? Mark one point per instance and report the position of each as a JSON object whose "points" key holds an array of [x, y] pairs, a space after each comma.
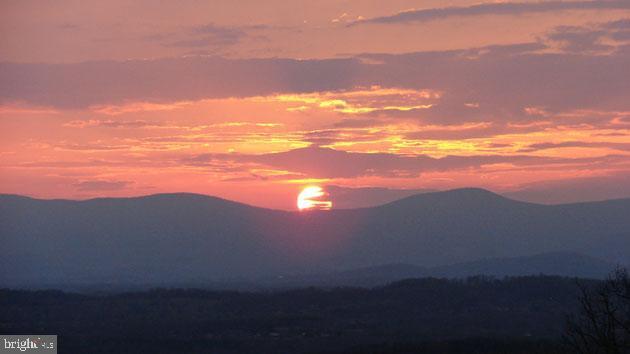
{"points": [[499, 8]]}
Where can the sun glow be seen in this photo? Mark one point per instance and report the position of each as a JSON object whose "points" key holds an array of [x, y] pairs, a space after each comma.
{"points": [[313, 198]]}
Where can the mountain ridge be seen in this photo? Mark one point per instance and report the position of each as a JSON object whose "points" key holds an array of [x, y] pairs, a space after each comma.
{"points": [[456, 191], [174, 236], [551, 263]]}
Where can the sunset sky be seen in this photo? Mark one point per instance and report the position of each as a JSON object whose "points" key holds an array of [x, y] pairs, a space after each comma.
{"points": [[254, 100]]}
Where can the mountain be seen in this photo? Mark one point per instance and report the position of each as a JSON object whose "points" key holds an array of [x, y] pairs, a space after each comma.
{"points": [[183, 238], [554, 263], [366, 197], [564, 264]]}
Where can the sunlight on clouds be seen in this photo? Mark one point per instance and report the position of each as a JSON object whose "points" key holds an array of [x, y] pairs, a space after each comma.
{"points": [[357, 101], [149, 148], [307, 180]]}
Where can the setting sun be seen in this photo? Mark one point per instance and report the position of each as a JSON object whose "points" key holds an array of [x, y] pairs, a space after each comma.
{"points": [[313, 198]]}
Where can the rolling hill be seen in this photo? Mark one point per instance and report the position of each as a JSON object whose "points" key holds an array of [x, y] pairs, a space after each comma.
{"points": [[187, 238], [554, 263]]}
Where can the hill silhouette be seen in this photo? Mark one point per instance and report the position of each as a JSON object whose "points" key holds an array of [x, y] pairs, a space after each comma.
{"points": [[169, 238], [554, 263]]}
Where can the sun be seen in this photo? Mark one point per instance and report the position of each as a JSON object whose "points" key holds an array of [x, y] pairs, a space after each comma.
{"points": [[313, 198]]}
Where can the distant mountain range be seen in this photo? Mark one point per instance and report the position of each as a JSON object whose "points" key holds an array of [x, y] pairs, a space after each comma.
{"points": [[554, 263], [188, 238]]}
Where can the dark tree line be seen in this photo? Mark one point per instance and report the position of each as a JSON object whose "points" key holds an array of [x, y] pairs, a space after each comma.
{"points": [[477, 315], [521, 315]]}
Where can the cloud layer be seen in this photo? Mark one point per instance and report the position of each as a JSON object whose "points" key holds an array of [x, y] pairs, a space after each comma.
{"points": [[505, 83]]}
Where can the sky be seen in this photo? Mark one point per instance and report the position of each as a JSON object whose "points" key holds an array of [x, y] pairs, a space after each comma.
{"points": [[253, 101]]}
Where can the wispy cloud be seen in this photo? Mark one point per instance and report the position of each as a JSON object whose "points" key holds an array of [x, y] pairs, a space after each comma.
{"points": [[210, 35], [322, 162], [577, 144], [596, 38], [496, 8]]}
